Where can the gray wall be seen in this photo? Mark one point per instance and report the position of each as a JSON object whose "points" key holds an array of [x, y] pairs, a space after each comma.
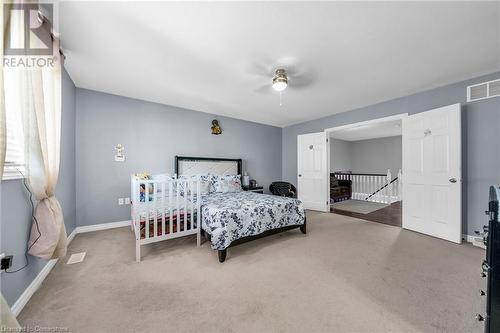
{"points": [[481, 125], [377, 155], [152, 135], [366, 156], [340, 155], [15, 223]]}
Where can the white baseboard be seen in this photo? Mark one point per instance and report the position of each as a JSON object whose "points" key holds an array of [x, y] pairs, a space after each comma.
{"points": [[37, 282], [71, 236], [102, 226], [467, 238], [474, 240]]}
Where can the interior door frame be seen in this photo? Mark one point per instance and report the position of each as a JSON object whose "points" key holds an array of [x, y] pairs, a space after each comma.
{"points": [[400, 116]]}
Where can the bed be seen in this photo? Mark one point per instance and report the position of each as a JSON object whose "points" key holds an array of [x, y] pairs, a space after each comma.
{"points": [[229, 219]]}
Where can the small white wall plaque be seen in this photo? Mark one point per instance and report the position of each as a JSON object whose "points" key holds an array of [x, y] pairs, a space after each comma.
{"points": [[119, 156]]}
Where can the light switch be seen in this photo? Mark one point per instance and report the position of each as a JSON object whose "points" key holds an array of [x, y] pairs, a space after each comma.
{"points": [[119, 156], [127, 201], [120, 201]]}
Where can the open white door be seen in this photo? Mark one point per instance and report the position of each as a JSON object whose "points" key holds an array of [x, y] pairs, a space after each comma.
{"points": [[432, 173], [312, 185]]}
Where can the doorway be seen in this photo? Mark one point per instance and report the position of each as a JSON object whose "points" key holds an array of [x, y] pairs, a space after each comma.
{"points": [[364, 170], [431, 176]]}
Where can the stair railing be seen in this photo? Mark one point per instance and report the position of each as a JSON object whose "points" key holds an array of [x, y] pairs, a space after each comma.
{"points": [[374, 187]]}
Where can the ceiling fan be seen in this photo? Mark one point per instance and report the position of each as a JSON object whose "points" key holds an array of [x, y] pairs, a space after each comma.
{"points": [[285, 75], [280, 80]]}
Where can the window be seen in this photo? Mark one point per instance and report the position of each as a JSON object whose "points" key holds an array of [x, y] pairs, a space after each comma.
{"points": [[14, 157]]}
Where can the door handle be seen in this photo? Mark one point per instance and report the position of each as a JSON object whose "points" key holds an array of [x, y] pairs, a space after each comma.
{"points": [[300, 175], [453, 180]]}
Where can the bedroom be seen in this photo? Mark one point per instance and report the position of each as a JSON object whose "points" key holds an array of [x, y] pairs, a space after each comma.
{"points": [[142, 83]]}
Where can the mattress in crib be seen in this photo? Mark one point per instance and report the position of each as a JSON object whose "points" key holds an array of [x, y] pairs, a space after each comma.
{"points": [[176, 227], [231, 216]]}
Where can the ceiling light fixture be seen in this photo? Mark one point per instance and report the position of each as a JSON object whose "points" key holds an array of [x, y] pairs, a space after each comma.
{"points": [[280, 80]]}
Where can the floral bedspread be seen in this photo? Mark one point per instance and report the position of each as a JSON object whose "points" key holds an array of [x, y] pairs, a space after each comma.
{"points": [[231, 216]]}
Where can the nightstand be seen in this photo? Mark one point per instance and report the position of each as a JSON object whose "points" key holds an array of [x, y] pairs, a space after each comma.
{"points": [[256, 189]]}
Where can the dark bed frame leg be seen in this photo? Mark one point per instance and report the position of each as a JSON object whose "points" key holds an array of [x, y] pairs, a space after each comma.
{"points": [[222, 255], [303, 228]]}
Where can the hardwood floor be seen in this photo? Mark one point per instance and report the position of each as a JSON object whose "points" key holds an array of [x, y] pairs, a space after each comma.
{"points": [[391, 214]]}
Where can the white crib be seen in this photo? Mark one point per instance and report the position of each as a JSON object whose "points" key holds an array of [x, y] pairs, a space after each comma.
{"points": [[163, 208]]}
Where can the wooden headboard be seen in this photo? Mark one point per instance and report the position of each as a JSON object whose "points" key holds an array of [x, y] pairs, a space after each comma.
{"points": [[187, 165]]}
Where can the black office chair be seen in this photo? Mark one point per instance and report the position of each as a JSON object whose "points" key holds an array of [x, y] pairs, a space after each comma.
{"points": [[283, 189]]}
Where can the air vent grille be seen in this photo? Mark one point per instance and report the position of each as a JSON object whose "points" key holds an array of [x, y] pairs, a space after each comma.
{"points": [[483, 90], [478, 92], [494, 87]]}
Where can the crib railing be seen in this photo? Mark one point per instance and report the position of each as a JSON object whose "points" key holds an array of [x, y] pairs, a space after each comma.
{"points": [[381, 188], [164, 208]]}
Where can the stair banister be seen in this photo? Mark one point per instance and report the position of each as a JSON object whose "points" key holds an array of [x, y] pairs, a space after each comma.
{"points": [[388, 190], [400, 185]]}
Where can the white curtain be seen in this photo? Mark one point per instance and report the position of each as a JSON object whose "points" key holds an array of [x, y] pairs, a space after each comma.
{"points": [[39, 91], [43, 141], [3, 129]]}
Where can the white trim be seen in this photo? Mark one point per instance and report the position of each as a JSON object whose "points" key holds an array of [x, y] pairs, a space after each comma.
{"points": [[474, 240], [102, 226], [467, 238], [367, 122], [37, 282], [32, 288], [71, 236], [21, 302]]}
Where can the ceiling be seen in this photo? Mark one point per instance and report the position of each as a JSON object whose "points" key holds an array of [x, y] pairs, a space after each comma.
{"points": [[369, 131], [218, 57]]}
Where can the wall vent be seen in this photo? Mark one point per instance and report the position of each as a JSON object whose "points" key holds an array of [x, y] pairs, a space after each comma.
{"points": [[483, 90]]}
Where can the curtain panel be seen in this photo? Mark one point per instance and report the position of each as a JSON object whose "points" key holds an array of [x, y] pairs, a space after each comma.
{"points": [[43, 142], [3, 125], [39, 93]]}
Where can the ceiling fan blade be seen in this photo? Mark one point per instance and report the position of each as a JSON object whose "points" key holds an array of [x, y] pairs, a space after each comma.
{"points": [[260, 70], [300, 81], [288, 63], [264, 89]]}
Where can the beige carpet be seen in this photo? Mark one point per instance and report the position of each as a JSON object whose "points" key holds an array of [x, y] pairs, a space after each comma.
{"points": [[345, 275]]}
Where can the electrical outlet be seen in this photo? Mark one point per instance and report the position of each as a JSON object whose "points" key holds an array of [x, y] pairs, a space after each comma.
{"points": [[6, 262], [2, 255], [127, 201], [120, 201]]}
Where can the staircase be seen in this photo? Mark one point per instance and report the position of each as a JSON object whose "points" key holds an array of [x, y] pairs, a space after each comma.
{"points": [[382, 188]]}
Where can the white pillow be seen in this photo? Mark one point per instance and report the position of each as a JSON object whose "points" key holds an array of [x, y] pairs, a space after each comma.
{"points": [[205, 183], [227, 184]]}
